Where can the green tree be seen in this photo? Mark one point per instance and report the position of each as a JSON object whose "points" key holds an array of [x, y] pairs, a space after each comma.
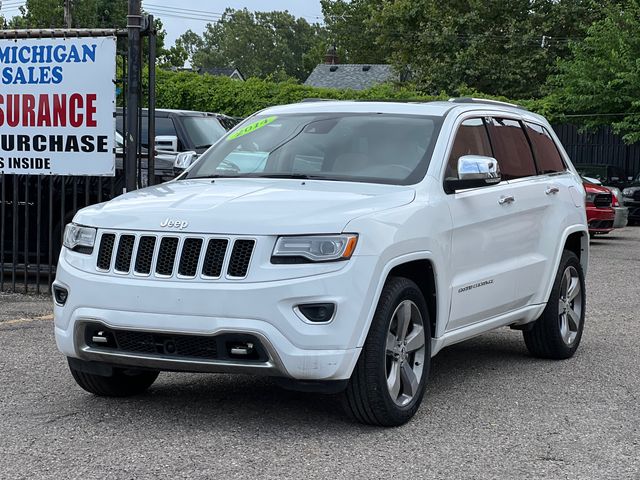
{"points": [[351, 31], [494, 46], [258, 44], [185, 47], [601, 81]]}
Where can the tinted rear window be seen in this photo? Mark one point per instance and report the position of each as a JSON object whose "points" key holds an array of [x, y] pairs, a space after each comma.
{"points": [[511, 148], [547, 155]]}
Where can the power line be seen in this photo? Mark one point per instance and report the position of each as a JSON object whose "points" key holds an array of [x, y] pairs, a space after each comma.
{"points": [[182, 10], [10, 11], [9, 4], [6, 6], [210, 16], [178, 15], [601, 114], [200, 18], [14, 7], [193, 14]]}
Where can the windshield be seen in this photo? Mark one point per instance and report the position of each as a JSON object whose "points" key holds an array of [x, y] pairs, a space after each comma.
{"points": [[376, 148], [203, 131]]}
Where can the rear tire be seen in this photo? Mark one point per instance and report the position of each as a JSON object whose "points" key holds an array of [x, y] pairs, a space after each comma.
{"points": [[558, 331], [121, 383], [388, 382]]}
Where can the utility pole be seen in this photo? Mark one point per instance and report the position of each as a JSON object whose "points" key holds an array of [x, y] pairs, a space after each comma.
{"points": [[151, 115], [134, 25], [67, 13]]}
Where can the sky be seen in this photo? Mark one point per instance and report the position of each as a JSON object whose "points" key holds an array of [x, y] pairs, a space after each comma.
{"points": [[170, 11], [180, 15]]}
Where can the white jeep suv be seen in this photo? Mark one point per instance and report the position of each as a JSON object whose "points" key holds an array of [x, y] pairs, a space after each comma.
{"points": [[335, 246]]}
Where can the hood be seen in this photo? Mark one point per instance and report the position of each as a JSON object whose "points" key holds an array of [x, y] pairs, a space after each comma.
{"points": [[245, 206], [593, 188]]}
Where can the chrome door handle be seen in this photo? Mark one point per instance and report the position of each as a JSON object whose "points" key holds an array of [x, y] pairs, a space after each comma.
{"points": [[506, 199], [551, 190]]}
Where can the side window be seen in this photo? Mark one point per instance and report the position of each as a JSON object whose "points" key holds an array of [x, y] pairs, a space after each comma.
{"points": [[164, 126], [471, 139], [547, 154], [511, 148]]}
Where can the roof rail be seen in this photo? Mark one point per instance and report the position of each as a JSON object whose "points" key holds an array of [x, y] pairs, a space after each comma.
{"points": [[484, 100], [309, 100]]}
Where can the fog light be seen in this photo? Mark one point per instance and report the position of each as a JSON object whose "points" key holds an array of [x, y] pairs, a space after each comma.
{"points": [[60, 295], [242, 350], [318, 312]]}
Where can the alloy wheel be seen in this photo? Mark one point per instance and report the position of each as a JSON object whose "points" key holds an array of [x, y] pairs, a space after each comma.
{"points": [[405, 352], [570, 305]]}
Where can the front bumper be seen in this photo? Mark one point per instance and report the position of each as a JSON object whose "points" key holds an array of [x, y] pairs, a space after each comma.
{"points": [[600, 220], [621, 217], [634, 209], [296, 349]]}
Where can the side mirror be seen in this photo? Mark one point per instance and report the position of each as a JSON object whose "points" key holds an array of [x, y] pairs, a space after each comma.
{"points": [[183, 161], [474, 171], [166, 143]]}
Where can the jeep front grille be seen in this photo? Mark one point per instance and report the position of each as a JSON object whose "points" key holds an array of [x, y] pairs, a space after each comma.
{"points": [[240, 257], [144, 258], [167, 256], [125, 251], [106, 251], [174, 256], [214, 258]]}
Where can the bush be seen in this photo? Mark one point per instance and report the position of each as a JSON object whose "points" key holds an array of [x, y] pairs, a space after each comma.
{"points": [[191, 91]]}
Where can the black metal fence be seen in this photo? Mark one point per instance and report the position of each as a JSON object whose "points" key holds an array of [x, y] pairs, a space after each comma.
{"points": [[599, 147], [33, 212]]}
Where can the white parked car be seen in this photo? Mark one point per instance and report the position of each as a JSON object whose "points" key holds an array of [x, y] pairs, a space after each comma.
{"points": [[336, 246]]}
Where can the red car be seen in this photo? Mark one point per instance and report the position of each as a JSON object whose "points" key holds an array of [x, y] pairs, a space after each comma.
{"points": [[600, 213]]}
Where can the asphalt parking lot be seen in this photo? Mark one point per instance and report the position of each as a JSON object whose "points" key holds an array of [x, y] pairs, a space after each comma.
{"points": [[491, 411]]}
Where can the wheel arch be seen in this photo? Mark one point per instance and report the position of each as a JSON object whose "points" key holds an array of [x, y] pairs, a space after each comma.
{"points": [[422, 273], [421, 268], [576, 240]]}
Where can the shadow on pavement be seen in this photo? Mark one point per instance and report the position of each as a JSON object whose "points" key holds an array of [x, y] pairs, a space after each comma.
{"points": [[255, 402]]}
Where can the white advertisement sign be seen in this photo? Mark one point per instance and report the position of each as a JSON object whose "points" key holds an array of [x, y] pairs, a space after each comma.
{"points": [[57, 106]]}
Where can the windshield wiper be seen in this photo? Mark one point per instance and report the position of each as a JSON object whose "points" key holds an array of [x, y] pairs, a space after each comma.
{"points": [[299, 176], [216, 175], [295, 176]]}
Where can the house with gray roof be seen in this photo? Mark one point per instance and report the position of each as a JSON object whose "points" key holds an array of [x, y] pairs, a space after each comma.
{"points": [[351, 76], [230, 72]]}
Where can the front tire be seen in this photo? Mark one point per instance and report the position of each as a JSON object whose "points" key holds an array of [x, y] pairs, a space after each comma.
{"points": [[388, 382], [121, 382], [557, 333]]}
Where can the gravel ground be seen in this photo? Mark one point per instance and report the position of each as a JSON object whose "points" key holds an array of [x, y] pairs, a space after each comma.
{"points": [[491, 411], [15, 307]]}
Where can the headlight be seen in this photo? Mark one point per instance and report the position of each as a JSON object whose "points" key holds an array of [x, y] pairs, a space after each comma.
{"points": [[628, 192], [314, 248], [590, 197], [184, 160], [78, 238]]}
